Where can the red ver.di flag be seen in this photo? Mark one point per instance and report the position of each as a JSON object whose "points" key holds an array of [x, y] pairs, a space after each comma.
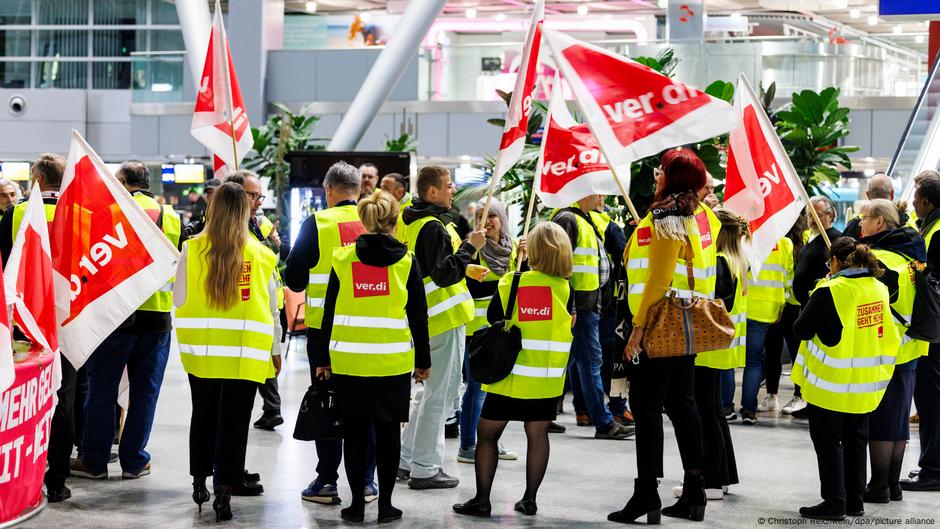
{"points": [[571, 165], [220, 121], [7, 374], [633, 110], [108, 256], [761, 184]]}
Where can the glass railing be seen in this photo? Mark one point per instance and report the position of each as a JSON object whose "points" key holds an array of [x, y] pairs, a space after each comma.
{"points": [[919, 133], [859, 66], [157, 76]]}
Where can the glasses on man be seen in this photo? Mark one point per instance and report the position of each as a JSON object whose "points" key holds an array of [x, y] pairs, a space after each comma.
{"points": [[257, 197]]}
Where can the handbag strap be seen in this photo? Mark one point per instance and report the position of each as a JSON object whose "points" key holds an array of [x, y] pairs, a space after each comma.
{"points": [[511, 303], [689, 257]]}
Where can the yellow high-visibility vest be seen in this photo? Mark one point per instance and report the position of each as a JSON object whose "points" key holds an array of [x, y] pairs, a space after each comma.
{"points": [[904, 304], [19, 211], [703, 231], [370, 336], [768, 293], [265, 226], [734, 355], [541, 314], [162, 300], [336, 227], [234, 343], [406, 201], [448, 307], [481, 304], [851, 376], [585, 274]]}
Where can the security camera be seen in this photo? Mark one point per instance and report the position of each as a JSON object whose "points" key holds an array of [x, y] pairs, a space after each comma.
{"points": [[17, 105]]}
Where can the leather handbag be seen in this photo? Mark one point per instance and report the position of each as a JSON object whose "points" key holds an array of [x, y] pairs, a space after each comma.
{"points": [[682, 327], [494, 350], [318, 419]]}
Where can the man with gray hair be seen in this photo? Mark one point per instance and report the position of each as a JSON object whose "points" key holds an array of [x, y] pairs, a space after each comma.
{"points": [[879, 186], [308, 270], [9, 194]]}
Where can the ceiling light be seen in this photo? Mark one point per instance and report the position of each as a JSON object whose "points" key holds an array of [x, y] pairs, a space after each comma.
{"points": [[471, 12], [855, 13], [365, 16], [919, 39], [897, 29], [872, 20], [500, 17], [311, 7], [583, 9]]}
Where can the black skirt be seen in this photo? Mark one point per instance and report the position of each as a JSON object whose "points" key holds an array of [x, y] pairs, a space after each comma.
{"points": [[502, 408], [891, 420], [374, 399]]}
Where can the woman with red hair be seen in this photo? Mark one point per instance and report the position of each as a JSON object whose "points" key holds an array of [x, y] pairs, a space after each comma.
{"points": [[677, 225]]}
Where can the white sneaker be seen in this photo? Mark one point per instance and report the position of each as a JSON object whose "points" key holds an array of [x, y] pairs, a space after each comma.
{"points": [[714, 494], [795, 404], [770, 403], [506, 455]]}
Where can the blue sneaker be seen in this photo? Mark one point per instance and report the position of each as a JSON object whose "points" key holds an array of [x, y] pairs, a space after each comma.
{"points": [[321, 493], [372, 492]]}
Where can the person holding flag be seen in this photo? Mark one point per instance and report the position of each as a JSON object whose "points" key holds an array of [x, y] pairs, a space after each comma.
{"points": [[141, 345]]}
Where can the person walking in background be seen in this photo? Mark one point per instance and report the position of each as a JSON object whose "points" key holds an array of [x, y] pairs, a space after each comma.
{"points": [[543, 313], [843, 368], [308, 270], [197, 224], [369, 174], [374, 333], [590, 278], [496, 259], [897, 248], [226, 320], [443, 259], [677, 225]]}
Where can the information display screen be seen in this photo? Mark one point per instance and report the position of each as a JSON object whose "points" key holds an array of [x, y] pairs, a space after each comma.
{"points": [[908, 8]]}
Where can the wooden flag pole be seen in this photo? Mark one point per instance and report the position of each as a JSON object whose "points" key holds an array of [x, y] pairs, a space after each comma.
{"points": [[812, 212], [623, 191], [525, 227], [231, 123]]}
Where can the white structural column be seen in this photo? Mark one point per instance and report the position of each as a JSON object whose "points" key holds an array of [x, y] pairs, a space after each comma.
{"points": [[386, 72], [195, 22]]}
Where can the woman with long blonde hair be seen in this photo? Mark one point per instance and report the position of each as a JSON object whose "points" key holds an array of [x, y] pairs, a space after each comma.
{"points": [[226, 321]]}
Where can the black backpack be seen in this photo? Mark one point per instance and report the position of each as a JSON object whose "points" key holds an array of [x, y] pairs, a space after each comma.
{"points": [[494, 350], [925, 317]]}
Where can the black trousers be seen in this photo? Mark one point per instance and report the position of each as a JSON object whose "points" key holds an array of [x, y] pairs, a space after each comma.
{"points": [[927, 400], [841, 443], [720, 467], [62, 429], [357, 436], [221, 416], [778, 334], [669, 382]]}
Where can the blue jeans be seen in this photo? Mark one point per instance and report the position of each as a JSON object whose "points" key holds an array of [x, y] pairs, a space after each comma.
{"points": [[753, 363], [586, 357], [145, 356], [470, 406], [726, 379]]}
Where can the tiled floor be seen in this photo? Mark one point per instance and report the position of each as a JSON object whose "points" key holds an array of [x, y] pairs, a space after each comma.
{"points": [[586, 479]]}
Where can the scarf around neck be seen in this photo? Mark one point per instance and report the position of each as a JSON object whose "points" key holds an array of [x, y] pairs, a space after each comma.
{"points": [[497, 254]]}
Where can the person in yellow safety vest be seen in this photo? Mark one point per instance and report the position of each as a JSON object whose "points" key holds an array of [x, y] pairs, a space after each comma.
{"points": [[542, 311], [927, 385], [46, 172], [732, 288], [496, 259], [308, 270], [397, 185], [782, 331], [767, 295], [843, 368], [373, 334], [226, 325], [443, 258], [141, 345], [678, 224], [591, 279], [897, 248]]}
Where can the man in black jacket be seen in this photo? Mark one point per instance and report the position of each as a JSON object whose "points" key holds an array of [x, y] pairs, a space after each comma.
{"points": [[927, 382]]}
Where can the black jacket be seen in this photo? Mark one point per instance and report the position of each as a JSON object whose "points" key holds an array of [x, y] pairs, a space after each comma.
{"points": [[305, 254], [933, 251], [382, 250], [810, 266], [819, 316], [725, 284], [433, 249]]}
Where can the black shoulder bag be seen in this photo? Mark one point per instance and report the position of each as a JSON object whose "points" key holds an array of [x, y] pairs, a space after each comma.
{"points": [[318, 419], [493, 351]]}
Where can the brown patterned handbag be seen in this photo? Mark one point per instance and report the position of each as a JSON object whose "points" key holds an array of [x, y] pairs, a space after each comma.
{"points": [[681, 327]]}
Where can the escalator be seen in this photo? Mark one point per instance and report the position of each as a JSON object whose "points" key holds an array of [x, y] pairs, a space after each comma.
{"points": [[919, 148]]}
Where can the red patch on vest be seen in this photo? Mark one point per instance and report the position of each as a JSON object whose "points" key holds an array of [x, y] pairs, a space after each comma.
{"points": [[349, 232], [369, 281], [704, 229], [644, 236], [535, 303], [244, 281]]}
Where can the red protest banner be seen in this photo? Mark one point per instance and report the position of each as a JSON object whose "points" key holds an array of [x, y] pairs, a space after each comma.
{"points": [[25, 414]]}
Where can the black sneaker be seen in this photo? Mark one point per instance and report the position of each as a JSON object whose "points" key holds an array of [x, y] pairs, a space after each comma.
{"points": [[748, 417], [554, 427], [251, 477], [403, 475], [57, 493], [451, 431], [730, 415], [269, 421], [616, 431], [437, 481]]}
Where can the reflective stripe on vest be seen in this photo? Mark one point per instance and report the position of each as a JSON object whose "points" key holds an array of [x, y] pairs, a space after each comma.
{"points": [[170, 223], [904, 304], [448, 307], [851, 376], [233, 343], [734, 355], [703, 230], [767, 294], [481, 304], [585, 274], [336, 227], [541, 315], [370, 336]]}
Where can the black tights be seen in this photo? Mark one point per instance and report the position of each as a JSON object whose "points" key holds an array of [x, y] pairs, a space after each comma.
{"points": [[886, 460], [487, 456], [387, 450]]}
